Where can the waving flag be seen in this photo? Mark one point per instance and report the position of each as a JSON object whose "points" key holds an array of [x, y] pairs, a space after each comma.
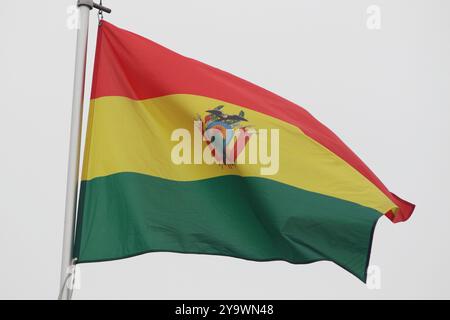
{"points": [[183, 157]]}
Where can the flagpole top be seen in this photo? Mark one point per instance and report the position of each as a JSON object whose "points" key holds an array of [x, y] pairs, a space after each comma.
{"points": [[91, 4]]}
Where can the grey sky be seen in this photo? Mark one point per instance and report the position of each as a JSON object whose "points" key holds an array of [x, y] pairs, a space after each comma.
{"points": [[384, 92]]}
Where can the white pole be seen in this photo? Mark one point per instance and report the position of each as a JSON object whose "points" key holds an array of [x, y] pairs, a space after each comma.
{"points": [[74, 150]]}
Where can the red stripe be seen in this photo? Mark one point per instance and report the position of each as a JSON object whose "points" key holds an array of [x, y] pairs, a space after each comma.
{"points": [[132, 66]]}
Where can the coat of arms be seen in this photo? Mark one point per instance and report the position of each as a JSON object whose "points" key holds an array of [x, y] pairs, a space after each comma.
{"points": [[225, 132]]}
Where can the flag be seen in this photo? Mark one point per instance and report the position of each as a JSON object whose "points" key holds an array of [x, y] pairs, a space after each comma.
{"points": [[183, 157]]}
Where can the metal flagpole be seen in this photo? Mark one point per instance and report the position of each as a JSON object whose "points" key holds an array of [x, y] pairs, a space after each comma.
{"points": [[67, 265]]}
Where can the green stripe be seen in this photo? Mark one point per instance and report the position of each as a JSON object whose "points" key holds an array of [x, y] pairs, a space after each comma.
{"points": [[252, 218]]}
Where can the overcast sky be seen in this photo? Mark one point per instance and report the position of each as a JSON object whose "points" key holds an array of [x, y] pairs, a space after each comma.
{"points": [[385, 92]]}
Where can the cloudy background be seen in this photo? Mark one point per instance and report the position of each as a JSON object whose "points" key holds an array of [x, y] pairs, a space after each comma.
{"points": [[385, 92]]}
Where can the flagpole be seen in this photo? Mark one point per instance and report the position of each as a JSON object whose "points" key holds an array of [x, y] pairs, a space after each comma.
{"points": [[84, 8], [67, 265]]}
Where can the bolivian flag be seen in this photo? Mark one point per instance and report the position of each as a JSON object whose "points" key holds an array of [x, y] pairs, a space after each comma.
{"points": [[286, 188]]}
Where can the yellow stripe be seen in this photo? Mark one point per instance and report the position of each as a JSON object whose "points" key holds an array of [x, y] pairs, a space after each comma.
{"points": [[126, 135]]}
